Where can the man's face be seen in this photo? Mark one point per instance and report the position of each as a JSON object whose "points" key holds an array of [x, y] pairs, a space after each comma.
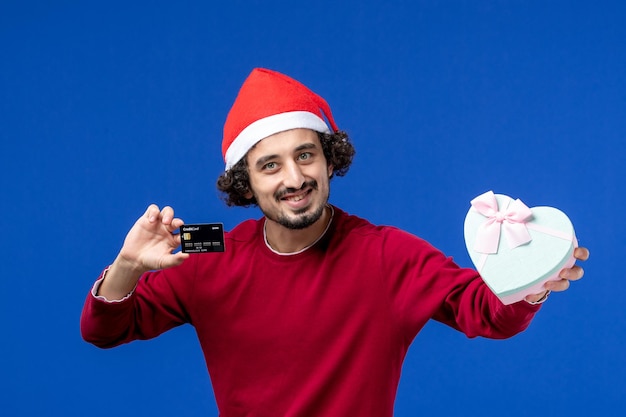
{"points": [[289, 177]]}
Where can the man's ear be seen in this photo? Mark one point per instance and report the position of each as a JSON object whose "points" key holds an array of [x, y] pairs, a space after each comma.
{"points": [[330, 171]]}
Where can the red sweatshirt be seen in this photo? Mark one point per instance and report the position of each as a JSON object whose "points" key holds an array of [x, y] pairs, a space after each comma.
{"points": [[319, 333]]}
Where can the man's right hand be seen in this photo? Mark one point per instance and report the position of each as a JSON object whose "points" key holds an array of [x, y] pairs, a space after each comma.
{"points": [[148, 246]]}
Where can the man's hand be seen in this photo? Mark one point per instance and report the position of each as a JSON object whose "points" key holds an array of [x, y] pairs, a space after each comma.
{"points": [[148, 245], [567, 275], [151, 241]]}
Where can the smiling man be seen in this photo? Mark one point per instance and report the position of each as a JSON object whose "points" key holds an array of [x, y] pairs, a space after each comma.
{"points": [[310, 311], [287, 169]]}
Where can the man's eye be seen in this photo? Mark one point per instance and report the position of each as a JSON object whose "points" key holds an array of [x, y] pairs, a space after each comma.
{"points": [[304, 156], [270, 165]]}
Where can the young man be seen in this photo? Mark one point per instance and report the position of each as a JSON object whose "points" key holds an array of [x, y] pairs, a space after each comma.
{"points": [[309, 311]]}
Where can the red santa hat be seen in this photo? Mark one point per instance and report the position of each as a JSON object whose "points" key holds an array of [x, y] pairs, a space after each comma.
{"points": [[270, 102]]}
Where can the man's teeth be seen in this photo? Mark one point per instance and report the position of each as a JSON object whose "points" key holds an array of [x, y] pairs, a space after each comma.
{"points": [[296, 198]]}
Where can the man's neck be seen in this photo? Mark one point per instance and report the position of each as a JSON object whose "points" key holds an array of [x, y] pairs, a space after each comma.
{"points": [[284, 240]]}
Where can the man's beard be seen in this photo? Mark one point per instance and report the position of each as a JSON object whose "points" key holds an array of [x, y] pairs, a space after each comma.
{"points": [[302, 221]]}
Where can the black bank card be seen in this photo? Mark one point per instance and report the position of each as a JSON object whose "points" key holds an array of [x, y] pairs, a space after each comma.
{"points": [[200, 238]]}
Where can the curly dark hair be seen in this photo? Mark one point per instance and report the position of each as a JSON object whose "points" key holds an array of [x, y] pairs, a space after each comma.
{"points": [[234, 184]]}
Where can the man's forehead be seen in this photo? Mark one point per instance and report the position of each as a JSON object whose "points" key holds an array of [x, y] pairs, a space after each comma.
{"points": [[288, 140]]}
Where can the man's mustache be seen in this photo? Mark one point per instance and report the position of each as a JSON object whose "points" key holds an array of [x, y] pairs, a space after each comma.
{"points": [[281, 193]]}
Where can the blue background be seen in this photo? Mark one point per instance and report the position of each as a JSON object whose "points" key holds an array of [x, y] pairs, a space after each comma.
{"points": [[106, 107]]}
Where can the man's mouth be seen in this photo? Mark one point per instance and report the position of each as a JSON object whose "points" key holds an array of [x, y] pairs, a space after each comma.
{"points": [[297, 197], [293, 195]]}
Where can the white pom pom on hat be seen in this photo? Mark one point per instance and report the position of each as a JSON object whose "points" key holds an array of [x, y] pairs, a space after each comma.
{"points": [[270, 102]]}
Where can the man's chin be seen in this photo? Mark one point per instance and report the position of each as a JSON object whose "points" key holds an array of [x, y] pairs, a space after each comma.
{"points": [[297, 223], [301, 219]]}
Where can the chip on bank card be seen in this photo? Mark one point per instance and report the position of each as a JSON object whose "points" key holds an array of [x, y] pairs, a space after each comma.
{"points": [[200, 238]]}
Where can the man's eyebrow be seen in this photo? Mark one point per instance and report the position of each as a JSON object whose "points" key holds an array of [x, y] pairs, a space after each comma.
{"points": [[263, 160], [304, 146]]}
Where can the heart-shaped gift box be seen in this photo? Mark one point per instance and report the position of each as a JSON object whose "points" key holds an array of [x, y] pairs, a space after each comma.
{"points": [[516, 249]]}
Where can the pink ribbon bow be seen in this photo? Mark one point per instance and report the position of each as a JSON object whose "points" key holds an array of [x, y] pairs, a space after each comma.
{"points": [[511, 221]]}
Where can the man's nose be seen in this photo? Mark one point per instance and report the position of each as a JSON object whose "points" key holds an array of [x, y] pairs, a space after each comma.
{"points": [[293, 177]]}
